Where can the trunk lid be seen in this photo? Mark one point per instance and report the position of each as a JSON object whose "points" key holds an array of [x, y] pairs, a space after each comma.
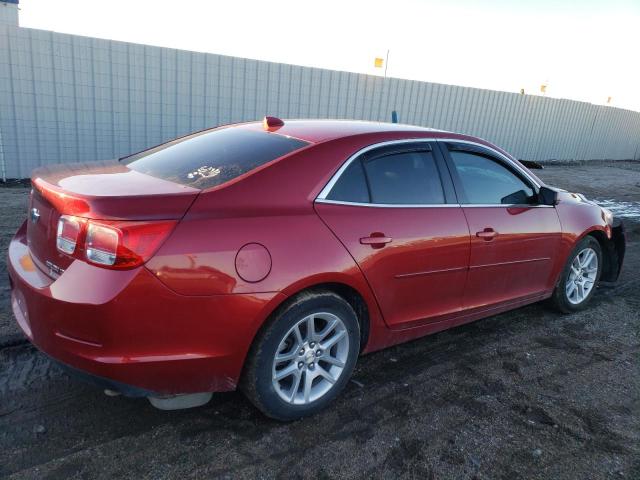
{"points": [[97, 190]]}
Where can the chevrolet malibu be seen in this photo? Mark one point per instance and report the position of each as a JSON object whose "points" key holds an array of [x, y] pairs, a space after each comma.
{"points": [[269, 256]]}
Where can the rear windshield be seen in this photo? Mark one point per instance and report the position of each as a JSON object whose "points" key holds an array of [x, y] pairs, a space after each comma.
{"points": [[206, 159]]}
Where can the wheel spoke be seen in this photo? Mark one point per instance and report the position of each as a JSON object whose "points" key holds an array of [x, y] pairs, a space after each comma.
{"points": [[333, 340], [285, 372], [327, 330], [323, 373], [571, 287], [311, 328], [588, 256], [308, 380], [296, 332], [286, 357], [333, 361], [295, 387], [580, 292]]}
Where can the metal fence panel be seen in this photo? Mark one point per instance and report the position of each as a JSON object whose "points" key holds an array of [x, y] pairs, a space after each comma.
{"points": [[68, 98]]}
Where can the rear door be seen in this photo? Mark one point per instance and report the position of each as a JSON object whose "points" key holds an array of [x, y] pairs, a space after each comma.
{"points": [[394, 209], [514, 239]]}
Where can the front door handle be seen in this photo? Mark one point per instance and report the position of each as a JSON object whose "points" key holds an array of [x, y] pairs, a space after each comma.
{"points": [[487, 234], [376, 240]]}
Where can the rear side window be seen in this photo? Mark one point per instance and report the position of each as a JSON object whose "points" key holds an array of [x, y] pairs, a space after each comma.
{"points": [[487, 181], [351, 186], [407, 178], [211, 158]]}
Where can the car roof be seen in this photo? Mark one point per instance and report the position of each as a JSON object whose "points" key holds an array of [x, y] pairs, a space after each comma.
{"points": [[316, 131]]}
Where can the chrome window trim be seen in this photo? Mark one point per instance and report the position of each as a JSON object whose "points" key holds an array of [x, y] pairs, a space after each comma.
{"points": [[431, 205], [329, 186], [497, 153], [322, 196], [388, 205], [504, 205]]}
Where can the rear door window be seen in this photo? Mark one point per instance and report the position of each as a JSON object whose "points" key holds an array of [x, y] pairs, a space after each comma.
{"points": [[207, 159], [404, 178]]}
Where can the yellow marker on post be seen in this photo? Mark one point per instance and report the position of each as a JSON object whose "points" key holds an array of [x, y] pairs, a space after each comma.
{"points": [[380, 62]]}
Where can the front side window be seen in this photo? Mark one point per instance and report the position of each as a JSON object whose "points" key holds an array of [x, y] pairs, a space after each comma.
{"points": [[488, 181]]}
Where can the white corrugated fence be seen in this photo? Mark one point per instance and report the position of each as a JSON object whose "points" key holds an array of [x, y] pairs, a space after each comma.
{"points": [[66, 98]]}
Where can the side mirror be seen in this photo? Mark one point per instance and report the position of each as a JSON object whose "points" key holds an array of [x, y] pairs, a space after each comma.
{"points": [[516, 198], [547, 196]]}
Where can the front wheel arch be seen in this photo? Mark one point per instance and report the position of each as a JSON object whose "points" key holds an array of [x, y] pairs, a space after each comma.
{"points": [[559, 297], [612, 254]]}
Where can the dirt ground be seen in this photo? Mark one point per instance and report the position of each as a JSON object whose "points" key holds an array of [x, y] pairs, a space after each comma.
{"points": [[526, 394]]}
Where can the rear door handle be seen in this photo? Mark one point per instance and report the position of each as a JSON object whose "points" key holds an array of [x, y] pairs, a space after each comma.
{"points": [[376, 240], [487, 234]]}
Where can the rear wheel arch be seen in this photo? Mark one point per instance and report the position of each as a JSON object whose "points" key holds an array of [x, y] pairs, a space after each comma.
{"points": [[357, 302], [345, 286], [347, 292]]}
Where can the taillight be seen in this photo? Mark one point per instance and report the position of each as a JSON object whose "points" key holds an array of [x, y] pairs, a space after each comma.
{"points": [[69, 230], [125, 244], [113, 244], [102, 244]]}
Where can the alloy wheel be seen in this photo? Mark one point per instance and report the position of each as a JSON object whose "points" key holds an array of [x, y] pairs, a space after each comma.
{"points": [[582, 276], [310, 358]]}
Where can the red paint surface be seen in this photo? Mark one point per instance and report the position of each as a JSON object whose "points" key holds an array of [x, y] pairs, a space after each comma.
{"points": [[518, 261], [185, 321], [418, 276]]}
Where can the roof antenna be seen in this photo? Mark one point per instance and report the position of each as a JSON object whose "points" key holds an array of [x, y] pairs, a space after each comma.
{"points": [[394, 117]]}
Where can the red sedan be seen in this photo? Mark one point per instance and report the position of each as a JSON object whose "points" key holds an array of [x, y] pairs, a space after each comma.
{"points": [[269, 256]]}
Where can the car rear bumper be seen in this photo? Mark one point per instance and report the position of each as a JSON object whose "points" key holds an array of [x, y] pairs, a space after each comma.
{"points": [[104, 383], [128, 328]]}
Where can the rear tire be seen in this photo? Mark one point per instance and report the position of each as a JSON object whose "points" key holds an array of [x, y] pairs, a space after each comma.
{"points": [[579, 277], [304, 357]]}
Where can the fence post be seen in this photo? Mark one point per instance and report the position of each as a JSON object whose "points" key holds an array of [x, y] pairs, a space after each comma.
{"points": [[3, 166]]}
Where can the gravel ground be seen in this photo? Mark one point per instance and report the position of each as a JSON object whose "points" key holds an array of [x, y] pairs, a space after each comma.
{"points": [[525, 394]]}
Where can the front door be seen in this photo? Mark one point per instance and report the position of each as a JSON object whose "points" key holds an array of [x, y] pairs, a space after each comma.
{"points": [[514, 239], [403, 227]]}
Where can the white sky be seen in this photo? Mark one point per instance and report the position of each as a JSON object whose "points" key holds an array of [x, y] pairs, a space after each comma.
{"points": [[584, 49]]}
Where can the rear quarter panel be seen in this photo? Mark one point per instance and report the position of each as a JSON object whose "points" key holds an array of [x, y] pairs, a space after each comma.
{"points": [[199, 259], [200, 256]]}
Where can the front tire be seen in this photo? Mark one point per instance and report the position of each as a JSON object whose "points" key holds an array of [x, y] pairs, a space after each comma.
{"points": [[579, 277], [304, 357]]}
